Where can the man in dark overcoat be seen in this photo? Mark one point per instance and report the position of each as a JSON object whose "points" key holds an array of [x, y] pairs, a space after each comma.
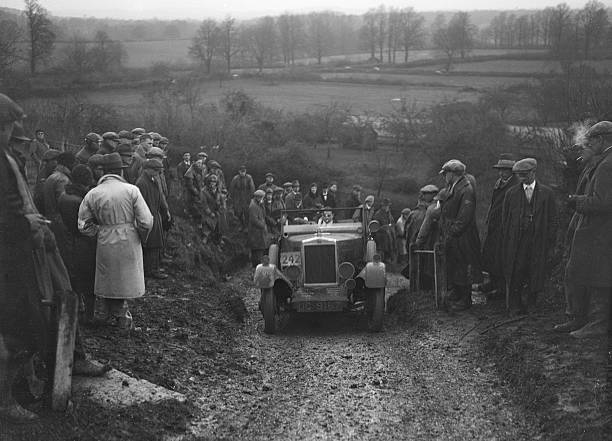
{"points": [[385, 236], [529, 229], [588, 275], [258, 231], [459, 233], [241, 190], [150, 190], [492, 246]]}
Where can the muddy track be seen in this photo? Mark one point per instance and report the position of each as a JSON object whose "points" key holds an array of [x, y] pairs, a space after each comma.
{"points": [[325, 377]]}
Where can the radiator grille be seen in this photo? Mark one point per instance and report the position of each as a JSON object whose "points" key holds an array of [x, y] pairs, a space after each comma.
{"points": [[320, 263]]}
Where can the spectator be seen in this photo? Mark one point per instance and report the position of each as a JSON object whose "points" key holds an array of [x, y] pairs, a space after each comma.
{"points": [[417, 215], [117, 214], [193, 182], [312, 200], [385, 236], [460, 234], [257, 231], [365, 211], [110, 141], [529, 227], [215, 168], [400, 234], [95, 165], [269, 183], [240, 192], [152, 195], [291, 199], [140, 155], [34, 156], [92, 145], [183, 166], [492, 247], [327, 198], [210, 202], [588, 275]]}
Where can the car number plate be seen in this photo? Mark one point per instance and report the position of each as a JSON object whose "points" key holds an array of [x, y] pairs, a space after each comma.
{"points": [[291, 258]]}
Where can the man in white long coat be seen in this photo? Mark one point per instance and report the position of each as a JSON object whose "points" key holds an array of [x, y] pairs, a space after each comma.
{"points": [[117, 213]]}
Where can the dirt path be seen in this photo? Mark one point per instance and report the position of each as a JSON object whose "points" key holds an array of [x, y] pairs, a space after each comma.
{"points": [[324, 377]]}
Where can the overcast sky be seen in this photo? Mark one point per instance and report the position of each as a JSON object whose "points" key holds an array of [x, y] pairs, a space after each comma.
{"points": [[198, 9]]}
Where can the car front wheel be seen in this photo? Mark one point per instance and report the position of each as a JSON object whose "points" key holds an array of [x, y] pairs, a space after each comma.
{"points": [[268, 307]]}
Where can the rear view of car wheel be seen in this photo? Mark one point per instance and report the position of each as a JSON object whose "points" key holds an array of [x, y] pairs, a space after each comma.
{"points": [[268, 306], [375, 308]]}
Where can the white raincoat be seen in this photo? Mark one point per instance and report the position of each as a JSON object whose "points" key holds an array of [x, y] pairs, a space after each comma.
{"points": [[118, 214]]}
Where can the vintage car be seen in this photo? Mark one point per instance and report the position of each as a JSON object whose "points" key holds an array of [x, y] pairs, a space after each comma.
{"points": [[322, 268]]}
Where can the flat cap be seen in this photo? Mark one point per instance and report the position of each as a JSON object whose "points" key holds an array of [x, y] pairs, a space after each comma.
{"points": [[429, 188], [93, 137], [406, 211], [110, 135], [269, 190], [212, 177], [278, 190], [357, 187], [269, 174], [125, 149], [296, 183], [138, 131], [155, 152], [156, 136], [203, 154], [10, 111], [125, 134], [154, 164], [164, 140], [525, 165], [505, 161], [95, 160], [369, 198], [601, 128], [287, 184], [242, 167], [18, 132], [81, 174], [454, 165], [214, 164], [112, 161], [259, 193], [50, 155]]}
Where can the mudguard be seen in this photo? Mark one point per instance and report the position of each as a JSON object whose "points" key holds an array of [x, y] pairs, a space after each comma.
{"points": [[266, 275], [374, 274]]}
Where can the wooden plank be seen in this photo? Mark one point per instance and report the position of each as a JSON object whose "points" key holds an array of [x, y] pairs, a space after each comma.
{"points": [[64, 352]]}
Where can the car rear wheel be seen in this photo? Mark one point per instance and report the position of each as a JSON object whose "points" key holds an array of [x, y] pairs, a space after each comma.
{"points": [[268, 306], [375, 308]]}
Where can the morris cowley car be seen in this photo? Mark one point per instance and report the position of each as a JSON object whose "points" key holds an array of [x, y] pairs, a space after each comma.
{"points": [[317, 266]]}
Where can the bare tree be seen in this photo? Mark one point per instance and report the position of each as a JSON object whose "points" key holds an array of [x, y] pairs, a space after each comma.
{"points": [[443, 40], [560, 30], [40, 33], [259, 40], [291, 31], [394, 33], [229, 42], [462, 32], [319, 34], [76, 56], [592, 21], [412, 31], [206, 43], [9, 47], [106, 54], [381, 29], [369, 32]]}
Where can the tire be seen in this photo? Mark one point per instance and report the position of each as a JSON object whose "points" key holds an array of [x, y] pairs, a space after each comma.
{"points": [[375, 309], [268, 308]]}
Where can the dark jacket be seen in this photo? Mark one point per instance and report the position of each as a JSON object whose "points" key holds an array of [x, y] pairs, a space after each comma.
{"points": [[590, 260], [458, 224], [193, 182], [311, 200], [151, 193], [241, 190], [545, 224], [181, 169], [385, 237], [53, 187], [80, 258], [492, 247], [414, 221], [257, 227], [329, 201]]}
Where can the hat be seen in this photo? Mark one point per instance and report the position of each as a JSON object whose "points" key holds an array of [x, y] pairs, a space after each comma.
{"points": [[525, 165], [278, 190], [369, 198], [454, 165], [242, 167], [203, 154], [163, 140], [259, 193], [50, 155], [269, 190], [154, 164], [214, 164], [287, 184], [112, 161], [125, 134], [357, 187], [125, 149], [601, 128], [212, 177], [505, 161], [81, 174], [156, 136], [296, 183], [110, 135], [385, 202], [155, 152], [406, 211], [18, 132], [138, 131], [95, 160], [430, 188], [93, 137], [9, 110], [269, 174]]}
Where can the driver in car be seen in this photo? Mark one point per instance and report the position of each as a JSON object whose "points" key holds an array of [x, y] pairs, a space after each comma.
{"points": [[327, 218]]}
